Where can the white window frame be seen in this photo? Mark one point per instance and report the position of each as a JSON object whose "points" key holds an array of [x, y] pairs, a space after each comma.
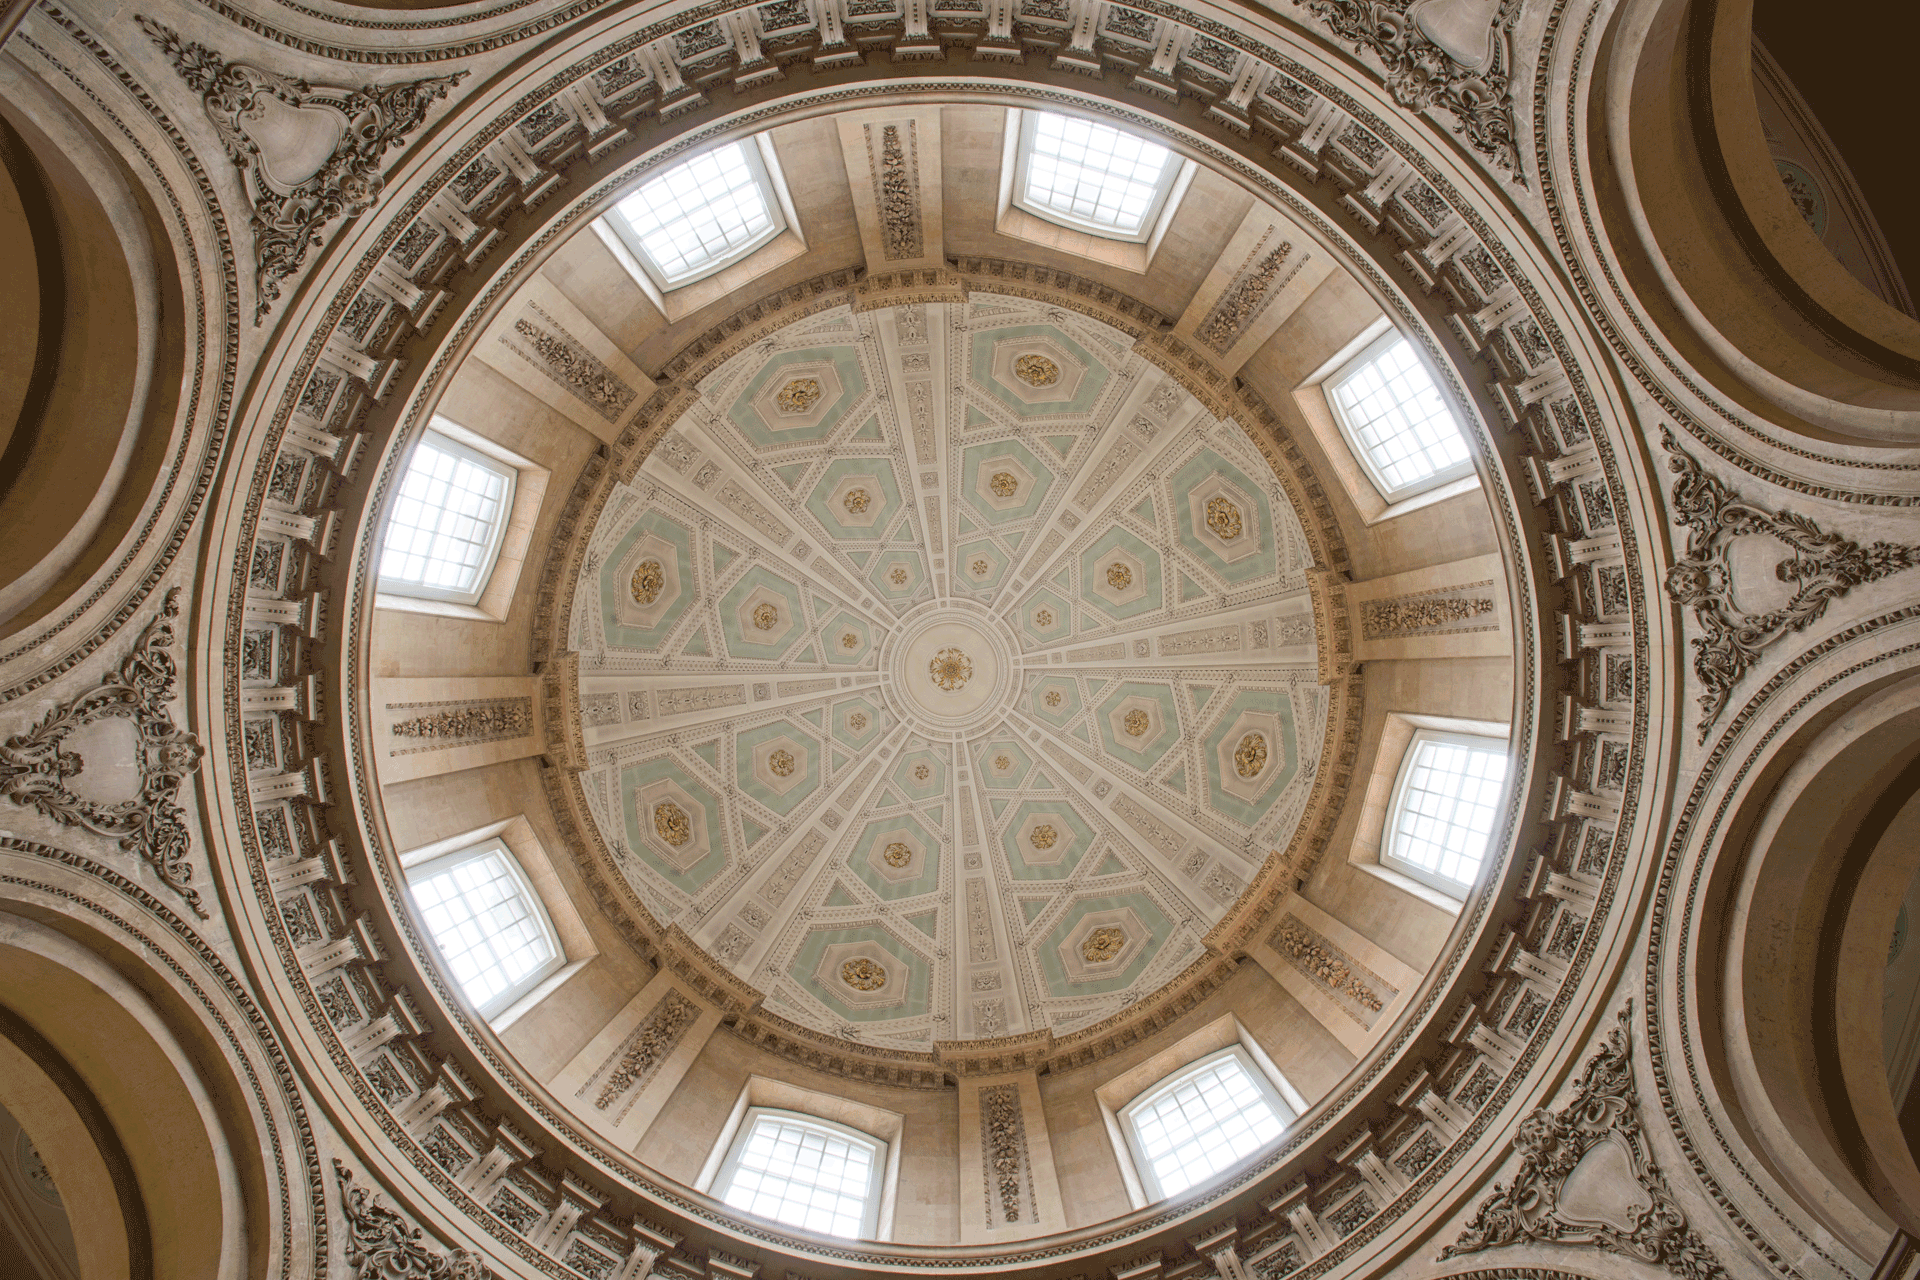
{"points": [[1170, 177], [879, 1164], [1350, 430], [1395, 808], [496, 536], [428, 867], [764, 164], [1261, 1076]]}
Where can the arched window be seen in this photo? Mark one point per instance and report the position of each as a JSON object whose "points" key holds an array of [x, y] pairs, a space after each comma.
{"points": [[1395, 419], [1444, 805], [1203, 1120], [489, 924], [805, 1172], [701, 215], [445, 528], [1091, 176]]}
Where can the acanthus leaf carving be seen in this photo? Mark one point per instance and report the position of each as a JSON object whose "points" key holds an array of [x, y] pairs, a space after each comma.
{"points": [[1824, 567], [1597, 1132], [35, 766], [307, 153]]}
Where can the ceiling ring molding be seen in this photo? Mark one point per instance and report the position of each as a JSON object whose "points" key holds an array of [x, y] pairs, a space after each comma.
{"points": [[1497, 309]]}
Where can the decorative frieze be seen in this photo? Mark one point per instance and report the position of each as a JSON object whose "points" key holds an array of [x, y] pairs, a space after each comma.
{"points": [[437, 726], [1450, 609], [1247, 295], [1358, 990], [641, 1054], [560, 354], [1003, 1154], [896, 189]]}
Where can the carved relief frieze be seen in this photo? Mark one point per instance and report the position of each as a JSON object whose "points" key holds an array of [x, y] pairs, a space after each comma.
{"points": [[37, 767], [1003, 1154], [436, 726], [896, 189], [1251, 289], [540, 338], [1587, 1178], [1454, 609], [307, 153], [1359, 991], [641, 1054], [1820, 568]]}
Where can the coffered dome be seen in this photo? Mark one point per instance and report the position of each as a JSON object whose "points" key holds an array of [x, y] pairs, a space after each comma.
{"points": [[947, 670]]}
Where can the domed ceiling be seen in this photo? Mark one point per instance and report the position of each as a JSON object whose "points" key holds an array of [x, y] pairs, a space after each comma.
{"points": [[947, 671]]}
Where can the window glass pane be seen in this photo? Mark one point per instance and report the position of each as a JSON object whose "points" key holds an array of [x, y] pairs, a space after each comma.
{"points": [[804, 1175], [1398, 419], [1447, 807], [487, 930], [446, 520], [1204, 1124], [1094, 174], [700, 212]]}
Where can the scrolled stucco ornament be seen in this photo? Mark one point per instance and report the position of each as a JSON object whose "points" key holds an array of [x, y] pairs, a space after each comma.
{"points": [[1824, 567], [1587, 1178], [36, 767], [307, 153], [382, 1246]]}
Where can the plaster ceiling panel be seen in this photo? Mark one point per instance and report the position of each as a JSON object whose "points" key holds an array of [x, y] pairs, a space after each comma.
{"points": [[930, 654]]}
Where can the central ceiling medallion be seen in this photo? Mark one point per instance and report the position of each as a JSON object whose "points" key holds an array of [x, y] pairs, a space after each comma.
{"points": [[648, 582], [1103, 944], [863, 974], [1119, 576], [950, 670], [1043, 836], [781, 762], [1004, 484], [765, 616], [798, 396], [1137, 722], [858, 500], [1036, 371], [897, 854]]}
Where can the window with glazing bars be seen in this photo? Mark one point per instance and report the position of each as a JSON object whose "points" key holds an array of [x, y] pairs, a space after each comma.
{"points": [[701, 215], [446, 522], [1444, 807], [1397, 421], [1204, 1121], [487, 922], [804, 1172], [1092, 176]]}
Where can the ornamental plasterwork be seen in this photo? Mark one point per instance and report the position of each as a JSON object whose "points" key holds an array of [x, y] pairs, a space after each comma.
{"points": [[1417, 197], [381, 1244], [864, 693], [1587, 1178], [1820, 567], [37, 768], [307, 153]]}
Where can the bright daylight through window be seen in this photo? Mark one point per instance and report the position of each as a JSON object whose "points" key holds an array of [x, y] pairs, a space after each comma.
{"points": [[1093, 177], [1397, 421], [489, 926], [701, 215], [1203, 1122], [447, 522], [806, 1173], [1444, 806]]}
